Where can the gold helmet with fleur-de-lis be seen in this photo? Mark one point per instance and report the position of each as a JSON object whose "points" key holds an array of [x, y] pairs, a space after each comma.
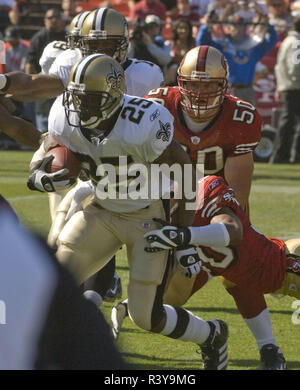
{"points": [[95, 91], [74, 33], [105, 30]]}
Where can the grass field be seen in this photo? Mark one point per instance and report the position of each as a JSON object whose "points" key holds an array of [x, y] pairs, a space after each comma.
{"points": [[275, 210]]}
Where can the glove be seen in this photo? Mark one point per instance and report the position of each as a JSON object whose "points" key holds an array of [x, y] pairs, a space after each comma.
{"points": [[82, 191], [189, 261], [167, 237], [42, 181]]}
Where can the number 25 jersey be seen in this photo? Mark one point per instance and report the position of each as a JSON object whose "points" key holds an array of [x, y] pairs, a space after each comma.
{"points": [[234, 131]]}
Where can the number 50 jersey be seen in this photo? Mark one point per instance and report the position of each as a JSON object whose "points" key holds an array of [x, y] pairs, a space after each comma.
{"points": [[234, 131]]}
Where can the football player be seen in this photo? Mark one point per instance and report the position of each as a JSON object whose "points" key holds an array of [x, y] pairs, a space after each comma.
{"points": [[219, 131], [71, 45], [102, 123], [103, 30], [230, 247]]}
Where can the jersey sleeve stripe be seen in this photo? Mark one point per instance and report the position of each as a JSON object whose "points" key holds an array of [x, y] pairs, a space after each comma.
{"points": [[251, 144], [209, 204]]}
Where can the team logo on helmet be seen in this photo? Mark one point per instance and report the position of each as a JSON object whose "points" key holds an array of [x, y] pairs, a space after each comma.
{"points": [[114, 79]]}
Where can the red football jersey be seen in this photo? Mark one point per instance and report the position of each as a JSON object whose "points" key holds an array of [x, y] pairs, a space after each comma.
{"points": [[257, 262], [236, 130]]}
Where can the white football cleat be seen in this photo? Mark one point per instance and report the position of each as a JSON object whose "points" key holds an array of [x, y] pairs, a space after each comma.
{"points": [[118, 314]]}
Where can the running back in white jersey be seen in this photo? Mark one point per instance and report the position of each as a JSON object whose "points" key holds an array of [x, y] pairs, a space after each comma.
{"points": [[142, 132], [50, 53]]}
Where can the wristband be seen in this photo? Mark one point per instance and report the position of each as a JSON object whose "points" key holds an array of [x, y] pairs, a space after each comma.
{"points": [[4, 82], [215, 234]]}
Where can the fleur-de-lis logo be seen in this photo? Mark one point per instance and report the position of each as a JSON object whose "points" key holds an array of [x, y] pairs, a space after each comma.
{"points": [[114, 79], [164, 132]]}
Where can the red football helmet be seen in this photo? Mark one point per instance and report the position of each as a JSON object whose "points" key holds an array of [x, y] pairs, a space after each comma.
{"points": [[202, 80]]}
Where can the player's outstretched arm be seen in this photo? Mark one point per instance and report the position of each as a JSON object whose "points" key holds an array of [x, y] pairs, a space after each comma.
{"points": [[31, 87], [24, 132]]}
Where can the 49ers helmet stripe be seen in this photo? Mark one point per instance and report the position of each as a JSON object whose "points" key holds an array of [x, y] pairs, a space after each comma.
{"points": [[201, 61]]}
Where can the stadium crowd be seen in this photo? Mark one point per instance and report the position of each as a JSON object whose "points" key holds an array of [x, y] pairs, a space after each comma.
{"points": [[219, 55]]}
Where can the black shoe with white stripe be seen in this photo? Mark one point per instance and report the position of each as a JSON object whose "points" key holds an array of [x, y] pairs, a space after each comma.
{"points": [[214, 350], [271, 358]]}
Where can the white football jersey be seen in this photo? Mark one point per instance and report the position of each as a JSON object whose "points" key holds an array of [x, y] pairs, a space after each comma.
{"points": [[63, 64], [50, 53], [140, 135], [141, 76]]}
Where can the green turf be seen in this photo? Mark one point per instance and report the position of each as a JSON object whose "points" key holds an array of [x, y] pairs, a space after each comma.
{"points": [[274, 205]]}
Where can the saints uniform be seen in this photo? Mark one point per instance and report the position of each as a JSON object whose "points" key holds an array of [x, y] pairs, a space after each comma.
{"points": [[92, 236], [141, 76]]}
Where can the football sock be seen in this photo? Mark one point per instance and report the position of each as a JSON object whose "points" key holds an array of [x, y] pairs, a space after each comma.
{"points": [[261, 328], [183, 325]]}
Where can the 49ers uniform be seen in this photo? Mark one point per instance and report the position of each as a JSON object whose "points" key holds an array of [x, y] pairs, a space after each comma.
{"points": [[257, 262], [257, 266], [235, 130]]}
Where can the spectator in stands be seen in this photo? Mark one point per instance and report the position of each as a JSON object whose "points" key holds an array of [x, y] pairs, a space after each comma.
{"points": [[147, 44], [181, 42], [287, 71], [280, 17], [5, 8], [184, 11], [15, 50], [241, 52], [200, 7], [15, 56], [54, 30], [148, 7], [69, 10]]}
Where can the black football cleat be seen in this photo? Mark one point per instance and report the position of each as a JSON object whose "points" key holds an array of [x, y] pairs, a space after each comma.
{"points": [[271, 358], [214, 350]]}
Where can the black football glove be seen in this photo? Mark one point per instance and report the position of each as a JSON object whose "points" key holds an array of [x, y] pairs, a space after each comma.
{"points": [[189, 261], [42, 181], [167, 237]]}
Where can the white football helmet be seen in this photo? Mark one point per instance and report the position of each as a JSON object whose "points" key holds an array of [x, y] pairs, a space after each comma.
{"points": [[202, 80]]}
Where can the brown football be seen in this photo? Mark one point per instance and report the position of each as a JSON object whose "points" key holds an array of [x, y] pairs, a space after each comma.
{"points": [[63, 158]]}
